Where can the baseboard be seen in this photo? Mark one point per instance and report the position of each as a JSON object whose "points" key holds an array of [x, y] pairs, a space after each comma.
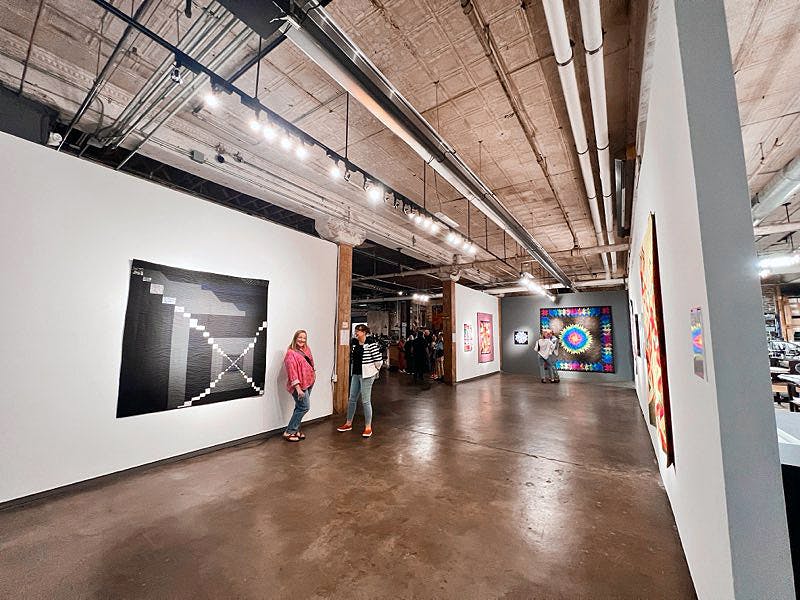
{"points": [[108, 477], [478, 377]]}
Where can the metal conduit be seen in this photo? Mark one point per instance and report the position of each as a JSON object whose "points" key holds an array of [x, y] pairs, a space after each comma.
{"points": [[190, 90], [101, 77], [559, 36], [192, 87], [194, 36], [593, 46]]}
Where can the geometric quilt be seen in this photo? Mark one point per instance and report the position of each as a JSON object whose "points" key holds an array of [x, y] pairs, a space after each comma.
{"points": [[190, 338], [585, 335]]}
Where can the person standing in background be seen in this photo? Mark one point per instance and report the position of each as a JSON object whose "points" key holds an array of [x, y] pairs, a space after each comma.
{"points": [[546, 348], [439, 355], [365, 365], [300, 373]]}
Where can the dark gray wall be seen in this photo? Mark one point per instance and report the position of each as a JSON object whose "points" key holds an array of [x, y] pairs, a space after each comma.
{"points": [[521, 313]]}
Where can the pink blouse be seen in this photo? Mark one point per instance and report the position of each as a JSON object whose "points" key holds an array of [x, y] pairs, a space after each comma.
{"points": [[298, 369]]}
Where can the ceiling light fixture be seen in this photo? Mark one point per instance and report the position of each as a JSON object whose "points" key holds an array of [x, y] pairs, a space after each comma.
{"points": [[301, 152], [211, 99], [270, 133], [286, 142]]}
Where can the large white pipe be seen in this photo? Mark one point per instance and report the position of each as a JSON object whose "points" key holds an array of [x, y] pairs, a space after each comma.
{"points": [[593, 44], [559, 36]]}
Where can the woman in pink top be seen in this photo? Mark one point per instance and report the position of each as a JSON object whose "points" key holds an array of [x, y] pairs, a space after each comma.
{"points": [[300, 379]]}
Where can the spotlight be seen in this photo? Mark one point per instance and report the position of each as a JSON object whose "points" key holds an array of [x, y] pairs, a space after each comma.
{"points": [[255, 126], [434, 227], [220, 158], [764, 273], [411, 215], [270, 133], [211, 100], [473, 249], [375, 194], [301, 152], [335, 171], [399, 293], [286, 142], [465, 245], [175, 74], [451, 237]]}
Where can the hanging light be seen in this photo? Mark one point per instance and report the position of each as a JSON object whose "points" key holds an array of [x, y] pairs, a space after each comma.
{"points": [[255, 124], [270, 132], [211, 100], [286, 142], [434, 227], [301, 152], [451, 237], [336, 170], [473, 249]]}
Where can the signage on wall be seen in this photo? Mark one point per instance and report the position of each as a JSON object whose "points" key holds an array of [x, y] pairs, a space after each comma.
{"points": [[698, 347]]}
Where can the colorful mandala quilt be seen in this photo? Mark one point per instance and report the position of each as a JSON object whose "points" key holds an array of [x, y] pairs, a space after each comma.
{"points": [[586, 337]]}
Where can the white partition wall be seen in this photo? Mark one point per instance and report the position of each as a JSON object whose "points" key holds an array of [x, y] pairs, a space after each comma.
{"points": [[725, 486], [468, 303], [69, 232]]}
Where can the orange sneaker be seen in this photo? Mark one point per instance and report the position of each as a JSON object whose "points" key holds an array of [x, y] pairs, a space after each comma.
{"points": [[345, 427], [367, 432]]}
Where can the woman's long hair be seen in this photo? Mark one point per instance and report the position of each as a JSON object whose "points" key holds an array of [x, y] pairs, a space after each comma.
{"points": [[293, 345]]}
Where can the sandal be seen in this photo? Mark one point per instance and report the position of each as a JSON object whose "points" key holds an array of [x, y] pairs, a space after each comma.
{"points": [[291, 437], [544, 380], [301, 435]]}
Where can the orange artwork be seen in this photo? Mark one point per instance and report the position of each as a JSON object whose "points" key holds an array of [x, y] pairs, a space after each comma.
{"points": [[655, 351]]}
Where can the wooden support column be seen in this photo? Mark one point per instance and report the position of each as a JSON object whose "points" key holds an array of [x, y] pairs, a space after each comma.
{"points": [[449, 329], [346, 236], [341, 387]]}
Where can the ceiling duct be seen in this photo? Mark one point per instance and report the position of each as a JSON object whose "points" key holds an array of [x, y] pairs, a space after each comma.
{"points": [[562, 48], [777, 192], [324, 42]]}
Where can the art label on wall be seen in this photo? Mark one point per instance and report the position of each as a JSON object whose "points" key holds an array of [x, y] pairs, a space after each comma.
{"points": [[654, 349], [485, 338], [469, 339], [190, 338], [585, 335], [698, 349], [521, 338]]}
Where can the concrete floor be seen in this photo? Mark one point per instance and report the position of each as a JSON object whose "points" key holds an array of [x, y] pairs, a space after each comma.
{"points": [[499, 488]]}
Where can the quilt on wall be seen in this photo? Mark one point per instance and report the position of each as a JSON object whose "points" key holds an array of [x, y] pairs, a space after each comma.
{"points": [[586, 337], [485, 338], [654, 349], [190, 338]]}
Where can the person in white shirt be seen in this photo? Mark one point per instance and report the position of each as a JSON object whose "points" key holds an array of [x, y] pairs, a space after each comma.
{"points": [[546, 349]]}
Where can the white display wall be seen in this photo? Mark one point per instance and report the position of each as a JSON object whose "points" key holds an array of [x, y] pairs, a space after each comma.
{"points": [[468, 303], [70, 230], [725, 485]]}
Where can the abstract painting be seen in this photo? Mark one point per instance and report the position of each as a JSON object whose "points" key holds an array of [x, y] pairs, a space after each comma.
{"points": [[654, 348], [585, 335], [469, 339], [485, 338], [190, 338], [698, 349], [521, 338]]}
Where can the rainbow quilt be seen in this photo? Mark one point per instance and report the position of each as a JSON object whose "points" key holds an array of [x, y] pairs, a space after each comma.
{"points": [[586, 337]]}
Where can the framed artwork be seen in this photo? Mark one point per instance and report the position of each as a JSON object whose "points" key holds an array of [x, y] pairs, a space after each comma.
{"points": [[468, 338], [654, 349], [485, 338], [698, 349], [190, 338], [521, 338], [585, 335]]}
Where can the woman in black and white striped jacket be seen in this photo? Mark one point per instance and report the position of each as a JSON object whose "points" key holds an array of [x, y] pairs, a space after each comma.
{"points": [[365, 364]]}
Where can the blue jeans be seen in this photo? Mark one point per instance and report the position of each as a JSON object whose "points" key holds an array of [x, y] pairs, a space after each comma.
{"points": [[546, 364], [362, 385], [301, 406]]}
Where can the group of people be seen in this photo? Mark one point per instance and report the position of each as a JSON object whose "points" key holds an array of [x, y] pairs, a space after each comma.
{"points": [[422, 353], [366, 360]]}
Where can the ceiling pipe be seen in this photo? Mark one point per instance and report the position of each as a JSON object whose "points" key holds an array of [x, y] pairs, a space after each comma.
{"points": [[777, 191], [324, 42], [394, 299], [559, 36], [779, 228], [593, 46]]}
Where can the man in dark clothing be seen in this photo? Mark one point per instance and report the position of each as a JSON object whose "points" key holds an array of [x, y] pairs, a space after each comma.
{"points": [[420, 347]]}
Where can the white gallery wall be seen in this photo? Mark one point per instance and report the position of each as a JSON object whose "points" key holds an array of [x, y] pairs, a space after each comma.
{"points": [[69, 231], [725, 486], [468, 303]]}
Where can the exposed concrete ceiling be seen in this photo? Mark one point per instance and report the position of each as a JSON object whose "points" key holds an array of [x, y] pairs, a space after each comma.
{"points": [[765, 47], [435, 56]]}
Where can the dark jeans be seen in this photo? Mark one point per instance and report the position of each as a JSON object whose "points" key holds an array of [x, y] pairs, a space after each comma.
{"points": [[301, 406]]}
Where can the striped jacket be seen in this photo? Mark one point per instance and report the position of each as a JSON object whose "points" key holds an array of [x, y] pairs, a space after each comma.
{"points": [[372, 360]]}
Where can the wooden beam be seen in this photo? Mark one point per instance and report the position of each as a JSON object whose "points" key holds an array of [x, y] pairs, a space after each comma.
{"points": [[449, 329]]}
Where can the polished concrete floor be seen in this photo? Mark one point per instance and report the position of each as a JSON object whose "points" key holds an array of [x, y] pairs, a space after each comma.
{"points": [[498, 488]]}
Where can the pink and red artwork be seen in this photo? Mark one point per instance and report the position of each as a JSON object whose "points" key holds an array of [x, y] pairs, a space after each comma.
{"points": [[485, 338]]}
